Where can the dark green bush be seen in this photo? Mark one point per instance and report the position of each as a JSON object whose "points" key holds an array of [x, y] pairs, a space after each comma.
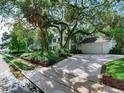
{"points": [[53, 57], [115, 51], [76, 51], [64, 53]]}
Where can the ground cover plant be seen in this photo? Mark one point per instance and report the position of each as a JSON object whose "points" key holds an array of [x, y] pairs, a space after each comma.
{"points": [[18, 63], [45, 59]]}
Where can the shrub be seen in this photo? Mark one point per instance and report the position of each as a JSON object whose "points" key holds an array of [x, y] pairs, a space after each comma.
{"points": [[35, 57], [64, 53], [54, 57], [44, 59], [26, 56], [76, 51], [115, 51], [39, 59]]}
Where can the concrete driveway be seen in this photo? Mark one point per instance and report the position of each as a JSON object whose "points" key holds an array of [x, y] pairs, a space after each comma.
{"points": [[86, 66], [77, 74]]}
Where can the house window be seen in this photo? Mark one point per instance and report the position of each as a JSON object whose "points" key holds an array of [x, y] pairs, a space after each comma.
{"points": [[54, 48], [58, 39], [54, 40]]}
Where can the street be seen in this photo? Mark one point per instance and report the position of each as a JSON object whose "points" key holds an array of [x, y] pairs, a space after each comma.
{"points": [[8, 83]]}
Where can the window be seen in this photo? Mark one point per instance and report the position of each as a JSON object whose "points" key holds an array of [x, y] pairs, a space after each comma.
{"points": [[58, 39], [54, 40], [54, 48]]}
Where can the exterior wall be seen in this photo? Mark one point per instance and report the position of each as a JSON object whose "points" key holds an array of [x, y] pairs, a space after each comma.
{"points": [[97, 48], [55, 45]]}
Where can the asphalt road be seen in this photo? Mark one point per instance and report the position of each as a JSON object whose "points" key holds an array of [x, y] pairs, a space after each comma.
{"points": [[3, 66]]}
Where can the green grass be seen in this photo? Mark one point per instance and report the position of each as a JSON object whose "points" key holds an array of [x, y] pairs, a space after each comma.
{"points": [[115, 69], [8, 57], [17, 63], [21, 65]]}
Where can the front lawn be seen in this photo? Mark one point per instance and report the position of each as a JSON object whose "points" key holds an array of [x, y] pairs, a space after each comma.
{"points": [[115, 69]]}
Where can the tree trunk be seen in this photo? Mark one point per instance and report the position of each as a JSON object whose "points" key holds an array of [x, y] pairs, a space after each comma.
{"points": [[44, 39], [18, 47], [61, 39], [67, 41]]}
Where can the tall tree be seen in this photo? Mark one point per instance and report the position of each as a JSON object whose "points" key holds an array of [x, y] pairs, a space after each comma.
{"points": [[18, 40], [68, 16]]}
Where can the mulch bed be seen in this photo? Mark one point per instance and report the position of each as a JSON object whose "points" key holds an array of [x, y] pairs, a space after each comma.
{"points": [[108, 80]]}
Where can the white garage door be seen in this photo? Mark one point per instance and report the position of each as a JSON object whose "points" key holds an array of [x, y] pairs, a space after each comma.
{"points": [[95, 48]]}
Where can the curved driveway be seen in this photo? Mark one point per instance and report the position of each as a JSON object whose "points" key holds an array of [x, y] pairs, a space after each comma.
{"points": [[87, 67], [77, 74]]}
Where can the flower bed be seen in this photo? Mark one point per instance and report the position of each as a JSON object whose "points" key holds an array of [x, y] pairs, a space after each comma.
{"points": [[108, 80], [43, 60]]}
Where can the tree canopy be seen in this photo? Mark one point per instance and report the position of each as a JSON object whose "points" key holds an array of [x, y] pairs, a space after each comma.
{"points": [[67, 16]]}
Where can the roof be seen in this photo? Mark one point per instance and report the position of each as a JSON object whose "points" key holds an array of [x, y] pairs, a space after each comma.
{"points": [[95, 39]]}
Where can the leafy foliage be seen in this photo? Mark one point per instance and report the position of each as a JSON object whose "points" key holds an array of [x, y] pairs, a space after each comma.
{"points": [[118, 34], [68, 17], [116, 51], [18, 39]]}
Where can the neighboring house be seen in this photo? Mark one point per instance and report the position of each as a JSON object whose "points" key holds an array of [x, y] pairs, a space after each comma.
{"points": [[97, 45], [55, 42], [90, 45]]}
